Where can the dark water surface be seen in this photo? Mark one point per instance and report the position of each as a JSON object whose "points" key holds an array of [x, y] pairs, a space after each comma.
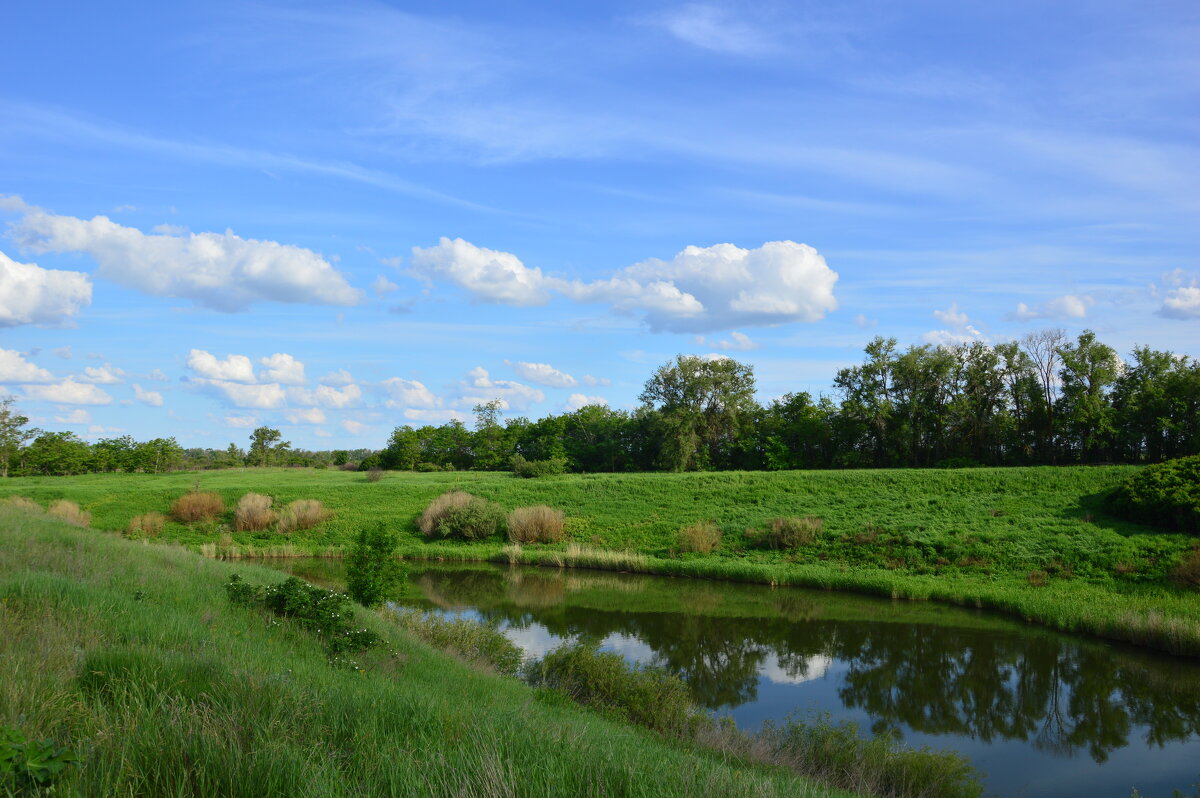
{"points": [[1039, 713]]}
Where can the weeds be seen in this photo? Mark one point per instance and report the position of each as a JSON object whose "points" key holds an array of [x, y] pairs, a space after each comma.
{"points": [[253, 513], [703, 537], [197, 506], [147, 525], [322, 612], [792, 533], [473, 641], [459, 514], [69, 511], [537, 524], [301, 514]]}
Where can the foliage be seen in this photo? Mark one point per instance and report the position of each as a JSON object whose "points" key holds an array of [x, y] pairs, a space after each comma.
{"points": [[537, 524], [14, 432], [1166, 494], [471, 640], [372, 572], [323, 612], [198, 506], [29, 765], [267, 446], [69, 511], [459, 514], [253, 513], [531, 469], [703, 537], [148, 525], [301, 514], [649, 697]]}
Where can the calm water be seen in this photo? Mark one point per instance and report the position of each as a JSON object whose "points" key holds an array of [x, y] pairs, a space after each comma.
{"points": [[1041, 714]]}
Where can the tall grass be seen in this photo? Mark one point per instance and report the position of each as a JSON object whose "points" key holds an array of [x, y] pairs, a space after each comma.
{"points": [[198, 506], [69, 511], [253, 513], [146, 525], [537, 524], [703, 537], [302, 514]]}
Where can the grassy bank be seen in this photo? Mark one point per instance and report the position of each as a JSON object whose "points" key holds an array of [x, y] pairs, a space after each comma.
{"points": [[1031, 542], [133, 657]]}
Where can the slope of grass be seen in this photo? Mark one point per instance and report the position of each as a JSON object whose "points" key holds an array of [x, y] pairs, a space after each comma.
{"points": [[1033, 542], [132, 656]]}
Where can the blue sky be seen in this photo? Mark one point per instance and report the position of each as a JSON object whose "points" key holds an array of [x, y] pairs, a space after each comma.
{"points": [[339, 218]]}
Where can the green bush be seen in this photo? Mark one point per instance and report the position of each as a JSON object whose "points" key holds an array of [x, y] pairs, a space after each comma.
{"points": [[372, 572], [530, 469], [459, 514], [322, 612], [649, 697], [1166, 494], [427, 468]]}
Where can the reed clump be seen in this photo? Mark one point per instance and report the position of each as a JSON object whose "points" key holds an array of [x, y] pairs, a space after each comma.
{"points": [[703, 537], [197, 506], [69, 511], [459, 514], [147, 525], [253, 513], [536, 524], [792, 532], [22, 504], [302, 514]]}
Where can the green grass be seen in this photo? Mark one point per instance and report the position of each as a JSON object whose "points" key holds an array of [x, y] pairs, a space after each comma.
{"points": [[1031, 542], [133, 657]]}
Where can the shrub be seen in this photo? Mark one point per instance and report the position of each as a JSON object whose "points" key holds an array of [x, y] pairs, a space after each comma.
{"points": [[197, 506], [702, 536], [372, 573], [1166, 494], [22, 504], [537, 524], [322, 612], [253, 513], [791, 533], [649, 697], [1187, 571], [427, 468], [147, 525], [459, 514], [300, 514], [69, 511], [530, 469], [374, 474], [369, 462], [469, 639]]}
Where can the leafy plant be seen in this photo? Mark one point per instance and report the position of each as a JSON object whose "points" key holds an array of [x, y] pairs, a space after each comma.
{"points": [[1166, 494], [459, 514], [31, 764], [372, 572], [323, 612]]}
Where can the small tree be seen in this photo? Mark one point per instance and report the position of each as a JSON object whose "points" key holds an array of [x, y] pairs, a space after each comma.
{"points": [[13, 433], [265, 447], [372, 573]]}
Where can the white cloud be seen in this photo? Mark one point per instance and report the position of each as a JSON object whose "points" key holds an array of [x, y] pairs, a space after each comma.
{"points": [[1068, 306], [952, 316], [284, 368], [479, 388], [153, 398], [158, 376], [408, 393], [241, 422], [64, 352], [712, 28], [434, 416], [1182, 301], [740, 342], [96, 430], [264, 397], [862, 321], [322, 433], [326, 396], [339, 377], [68, 392], [354, 427], [235, 368], [543, 374], [76, 416], [961, 332], [700, 289], [107, 374], [578, 400], [311, 415], [218, 270], [588, 379], [15, 368], [30, 294], [383, 286]]}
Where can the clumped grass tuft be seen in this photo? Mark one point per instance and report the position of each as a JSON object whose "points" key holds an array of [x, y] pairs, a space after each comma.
{"points": [[473, 641], [302, 514], [374, 474], [459, 514], [1187, 571], [147, 525], [1038, 578], [253, 513], [537, 524], [69, 511], [792, 533], [703, 537], [22, 504], [197, 506]]}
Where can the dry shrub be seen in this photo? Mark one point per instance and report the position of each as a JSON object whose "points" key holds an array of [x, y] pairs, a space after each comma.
{"points": [[790, 533], [1187, 571], [148, 525], [22, 504], [69, 511], [1038, 578], [441, 508], [253, 513], [537, 524], [198, 506], [374, 474], [459, 514], [302, 514], [702, 536]]}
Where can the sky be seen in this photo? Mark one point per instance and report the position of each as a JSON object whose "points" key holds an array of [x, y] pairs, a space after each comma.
{"points": [[334, 219]]}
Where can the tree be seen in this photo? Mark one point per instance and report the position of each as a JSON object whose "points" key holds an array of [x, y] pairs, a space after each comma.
{"points": [[1088, 369], [488, 448], [58, 453], [13, 433], [1043, 349], [265, 446], [372, 572], [703, 401]]}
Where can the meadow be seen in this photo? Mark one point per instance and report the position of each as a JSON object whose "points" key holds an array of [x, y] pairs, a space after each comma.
{"points": [[147, 680], [1031, 542]]}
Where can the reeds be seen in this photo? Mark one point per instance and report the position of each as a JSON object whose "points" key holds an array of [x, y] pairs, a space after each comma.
{"points": [[69, 511], [253, 513], [197, 506], [536, 524]]}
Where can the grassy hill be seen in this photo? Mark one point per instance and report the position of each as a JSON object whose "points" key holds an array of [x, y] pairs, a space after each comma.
{"points": [[132, 657]]}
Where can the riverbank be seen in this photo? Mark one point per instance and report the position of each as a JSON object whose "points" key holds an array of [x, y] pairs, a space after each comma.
{"points": [[132, 658], [1033, 543]]}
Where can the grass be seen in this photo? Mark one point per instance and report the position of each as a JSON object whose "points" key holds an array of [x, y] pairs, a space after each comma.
{"points": [[132, 656], [969, 537]]}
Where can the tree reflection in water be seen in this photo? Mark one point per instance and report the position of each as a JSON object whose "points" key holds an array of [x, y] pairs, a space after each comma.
{"points": [[1059, 694]]}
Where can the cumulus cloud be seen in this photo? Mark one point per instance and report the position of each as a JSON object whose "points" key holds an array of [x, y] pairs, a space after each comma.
{"points": [[543, 374], [107, 374], [263, 397], [76, 416], [64, 352], [234, 368], [283, 368], [241, 422], [1181, 303], [428, 416], [578, 400], [339, 377], [153, 398], [326, 396], [30, 294], [15, 368], [383, 286], [479, 388], [408, 393], [701, 289], [221, 271], [737, 341], [961, 330], [354, 427], [311, 415], [588, 379], [68, 392], [1068, 306], [158, 376]]}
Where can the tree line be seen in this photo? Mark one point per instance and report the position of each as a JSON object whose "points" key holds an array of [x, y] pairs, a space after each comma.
{"points": [[1045, 399]]}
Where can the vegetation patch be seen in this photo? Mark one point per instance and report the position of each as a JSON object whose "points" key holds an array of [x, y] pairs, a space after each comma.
{"points": [[703, 537], [470, 640], [791, 533], [253, 513], [302, 514], [29, 767], [1166, 494], [197, 506], [537, 524], [532, 469], [146, 525], [373, 573], [69, 511], [459, 514]]}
